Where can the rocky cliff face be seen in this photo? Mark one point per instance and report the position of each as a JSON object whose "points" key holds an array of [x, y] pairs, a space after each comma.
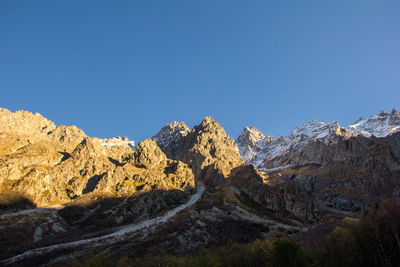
{"points": [[274, 193], [351, 174]]}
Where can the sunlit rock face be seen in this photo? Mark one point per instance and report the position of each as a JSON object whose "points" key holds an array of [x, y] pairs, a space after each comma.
{"points": [[21, 128], [58, 165], [149, 155]]}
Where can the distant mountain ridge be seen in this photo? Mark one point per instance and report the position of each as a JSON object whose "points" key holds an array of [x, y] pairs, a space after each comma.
{"points": [[255, 147]]}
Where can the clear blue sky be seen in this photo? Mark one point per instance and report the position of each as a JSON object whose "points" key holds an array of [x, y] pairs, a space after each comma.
{"points": [[130, 67]]}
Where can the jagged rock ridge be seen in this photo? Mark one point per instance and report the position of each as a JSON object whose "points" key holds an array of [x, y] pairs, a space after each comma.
{"points": [[343, 168]]}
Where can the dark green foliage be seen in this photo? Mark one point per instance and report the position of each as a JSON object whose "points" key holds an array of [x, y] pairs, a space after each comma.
{"points": [[246, 200], [100, 260], [373, 241], [258, 253]]}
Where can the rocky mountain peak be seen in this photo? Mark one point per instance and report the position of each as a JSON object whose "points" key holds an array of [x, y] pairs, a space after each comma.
{"points": [[383, 114], [209, 124], [394, 118], [207, 149], [170, 137], [251, 134], [251, 141]]}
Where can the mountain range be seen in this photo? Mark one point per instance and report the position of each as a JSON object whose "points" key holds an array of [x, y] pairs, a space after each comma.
{"points": [[64, 194]]}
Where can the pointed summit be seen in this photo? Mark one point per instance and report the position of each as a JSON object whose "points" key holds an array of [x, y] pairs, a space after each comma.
{"points": [[253, 135], [210, 126], [209, 122], [250, 141], [395, 113]]}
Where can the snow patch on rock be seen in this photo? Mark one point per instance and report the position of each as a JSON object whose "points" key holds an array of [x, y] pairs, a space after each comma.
{"points": [[117, 141]]}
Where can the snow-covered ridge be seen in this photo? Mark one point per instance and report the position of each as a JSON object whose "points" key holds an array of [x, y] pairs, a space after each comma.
{"points": [[117, 141], [319, 130], [380, 125], [254, 147]]}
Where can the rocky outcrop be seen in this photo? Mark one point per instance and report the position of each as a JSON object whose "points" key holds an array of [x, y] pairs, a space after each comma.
{"points": [[274, 193], [149, 155]]}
